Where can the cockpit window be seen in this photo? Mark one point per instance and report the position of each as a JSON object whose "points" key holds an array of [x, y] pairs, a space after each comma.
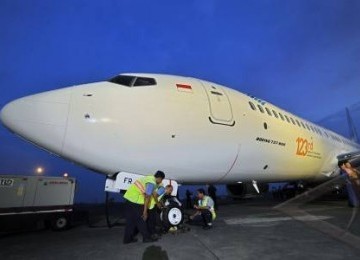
{"points": [[123, 80], [129, 81], [140, 81]]}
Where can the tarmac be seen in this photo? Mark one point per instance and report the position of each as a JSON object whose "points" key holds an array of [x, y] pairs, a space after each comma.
{"points": [[251, 229]]}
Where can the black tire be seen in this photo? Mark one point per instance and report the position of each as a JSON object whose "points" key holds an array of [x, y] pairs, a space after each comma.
{"points": [[60, 222], [172, 216]]}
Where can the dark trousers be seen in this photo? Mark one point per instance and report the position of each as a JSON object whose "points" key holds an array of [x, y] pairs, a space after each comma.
{"points": [[188, 202], [134, 222], [151, 221], [205, 218], [353, 190]]}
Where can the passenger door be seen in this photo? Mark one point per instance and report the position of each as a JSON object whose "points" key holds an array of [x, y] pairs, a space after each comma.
{"points": [[220, 107]]}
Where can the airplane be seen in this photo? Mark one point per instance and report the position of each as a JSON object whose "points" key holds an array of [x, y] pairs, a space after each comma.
{"points": [[194, 130]]}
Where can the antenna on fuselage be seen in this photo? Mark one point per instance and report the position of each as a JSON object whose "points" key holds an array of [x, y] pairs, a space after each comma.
{"points": [[352, 129]]}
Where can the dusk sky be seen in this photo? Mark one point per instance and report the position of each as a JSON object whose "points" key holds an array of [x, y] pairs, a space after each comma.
{"points": [[303, 56]]}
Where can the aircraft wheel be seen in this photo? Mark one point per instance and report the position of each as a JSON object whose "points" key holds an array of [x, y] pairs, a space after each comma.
{"points": [[172, 216]]}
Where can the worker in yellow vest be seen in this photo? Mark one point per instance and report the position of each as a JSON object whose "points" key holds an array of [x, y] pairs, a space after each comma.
{"points": [[137, 200], [205, 211]]}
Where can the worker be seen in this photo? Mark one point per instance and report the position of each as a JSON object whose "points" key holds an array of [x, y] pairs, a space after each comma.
{"points": [[168, 201], [352, 183], [205, 211], [137, 199], [212, 193], [188, 199]]}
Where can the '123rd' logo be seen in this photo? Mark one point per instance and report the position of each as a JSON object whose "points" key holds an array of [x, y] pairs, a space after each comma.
{"points": [[303, 146]]}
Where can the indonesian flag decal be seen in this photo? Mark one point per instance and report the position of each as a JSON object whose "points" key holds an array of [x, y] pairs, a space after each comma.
{"points": [[184, 88]]}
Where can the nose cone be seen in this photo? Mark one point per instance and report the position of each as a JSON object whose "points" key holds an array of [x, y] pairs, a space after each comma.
{"points": [[40, 119]]}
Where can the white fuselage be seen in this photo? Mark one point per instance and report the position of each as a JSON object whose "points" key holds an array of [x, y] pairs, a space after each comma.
{"points": [[193, 130]]}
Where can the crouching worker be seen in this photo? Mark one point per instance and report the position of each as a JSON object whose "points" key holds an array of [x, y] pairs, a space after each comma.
{"points": [[137, 199], [167, 201], [205, 212]]}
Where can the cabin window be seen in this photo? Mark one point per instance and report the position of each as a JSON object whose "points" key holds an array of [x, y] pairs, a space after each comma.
{"points": [[282, 117], [275, 114], [287, 119], [319, 131], [292, 120], [253, 107], [261, 109], [268, 111]]}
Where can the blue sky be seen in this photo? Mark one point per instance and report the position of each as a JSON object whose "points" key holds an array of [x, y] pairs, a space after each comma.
{"points": [[303, 56]]}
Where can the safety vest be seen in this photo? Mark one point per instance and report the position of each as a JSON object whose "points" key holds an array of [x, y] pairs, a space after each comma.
{"points": [[204, 203], [136, 191]]}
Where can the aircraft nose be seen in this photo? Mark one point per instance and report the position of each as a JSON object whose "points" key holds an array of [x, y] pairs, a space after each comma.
{"points": [[40, 119]]}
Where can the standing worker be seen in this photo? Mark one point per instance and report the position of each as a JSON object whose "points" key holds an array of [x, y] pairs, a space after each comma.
{"points": [[352, 183], [188, 199], [205, 210], [137, 203], [212, 193]]}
